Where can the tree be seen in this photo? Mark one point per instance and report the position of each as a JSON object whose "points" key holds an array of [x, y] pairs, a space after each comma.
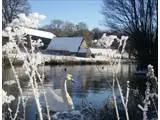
{"points": [[68, 26], [87, 37], [97, 33], [137, 18], [57, 24], [81, 26], [68, 29], [11, 8]]}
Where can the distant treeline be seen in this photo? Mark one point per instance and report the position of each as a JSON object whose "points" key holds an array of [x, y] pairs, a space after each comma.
{"points": [[68, 29]]}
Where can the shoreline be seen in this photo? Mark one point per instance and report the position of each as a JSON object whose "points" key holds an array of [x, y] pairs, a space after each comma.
{"points": [[71, 60]]}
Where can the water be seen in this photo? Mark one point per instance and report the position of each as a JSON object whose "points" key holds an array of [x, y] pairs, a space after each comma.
{"points": [[92, 84]]}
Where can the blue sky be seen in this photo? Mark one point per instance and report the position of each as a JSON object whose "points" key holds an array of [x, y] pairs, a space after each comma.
{"points": [[88, 11]]}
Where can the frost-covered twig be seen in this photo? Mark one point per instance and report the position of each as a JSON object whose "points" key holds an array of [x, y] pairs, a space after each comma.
{"points": [[115, 71], [122, 98], [146, 102], [127, 94], [45, 98], [17, 110], [154, 105], [116, 64], [114, 98], [16, 29], [18, 83]]}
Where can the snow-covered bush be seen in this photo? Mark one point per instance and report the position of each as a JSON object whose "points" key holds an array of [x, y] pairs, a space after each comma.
{"points": [[149, 95], [106, 41], [30, 21], [104, 46]]}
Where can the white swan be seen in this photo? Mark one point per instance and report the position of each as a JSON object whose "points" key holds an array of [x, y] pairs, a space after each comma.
{"points": [[59, 99]]}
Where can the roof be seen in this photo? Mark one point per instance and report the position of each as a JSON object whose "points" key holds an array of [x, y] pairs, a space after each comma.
{"points": [[66, 44], [34, 32], [39, 33]]}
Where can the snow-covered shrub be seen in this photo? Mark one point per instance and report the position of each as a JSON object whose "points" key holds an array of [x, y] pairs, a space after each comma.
{"points": [[104, 46], [149, 95], [30, 21]]}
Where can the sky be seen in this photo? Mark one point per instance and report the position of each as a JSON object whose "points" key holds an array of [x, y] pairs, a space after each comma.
{"points": [[88, 11]]}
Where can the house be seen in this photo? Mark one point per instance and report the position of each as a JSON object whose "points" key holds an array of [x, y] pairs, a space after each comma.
{"points": [[67, 46], [35, 34]]}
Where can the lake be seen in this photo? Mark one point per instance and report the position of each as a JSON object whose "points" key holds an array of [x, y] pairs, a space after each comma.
{"points": [[92, 86]]}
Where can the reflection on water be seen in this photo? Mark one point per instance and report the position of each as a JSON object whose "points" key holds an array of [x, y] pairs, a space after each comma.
{"points": [[92, 83]]}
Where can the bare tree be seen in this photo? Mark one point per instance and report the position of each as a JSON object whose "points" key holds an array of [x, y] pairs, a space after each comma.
{"points": [[11, 8], [131, 14], [138, 18], [97, 33]]}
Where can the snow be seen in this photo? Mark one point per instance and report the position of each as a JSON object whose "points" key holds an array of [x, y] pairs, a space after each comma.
{"points": [[105, 41], [39, 33], [34, 32], [65, 59], [6, 98], [125, 55], [9, 46], [27, 24], [10, 82], [105, 52], [31, 20], [5, 34], [39, 57]]}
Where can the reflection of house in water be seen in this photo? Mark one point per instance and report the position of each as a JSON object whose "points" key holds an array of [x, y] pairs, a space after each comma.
{"points": [[102, 75], [67, 46], [93, 77]]}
